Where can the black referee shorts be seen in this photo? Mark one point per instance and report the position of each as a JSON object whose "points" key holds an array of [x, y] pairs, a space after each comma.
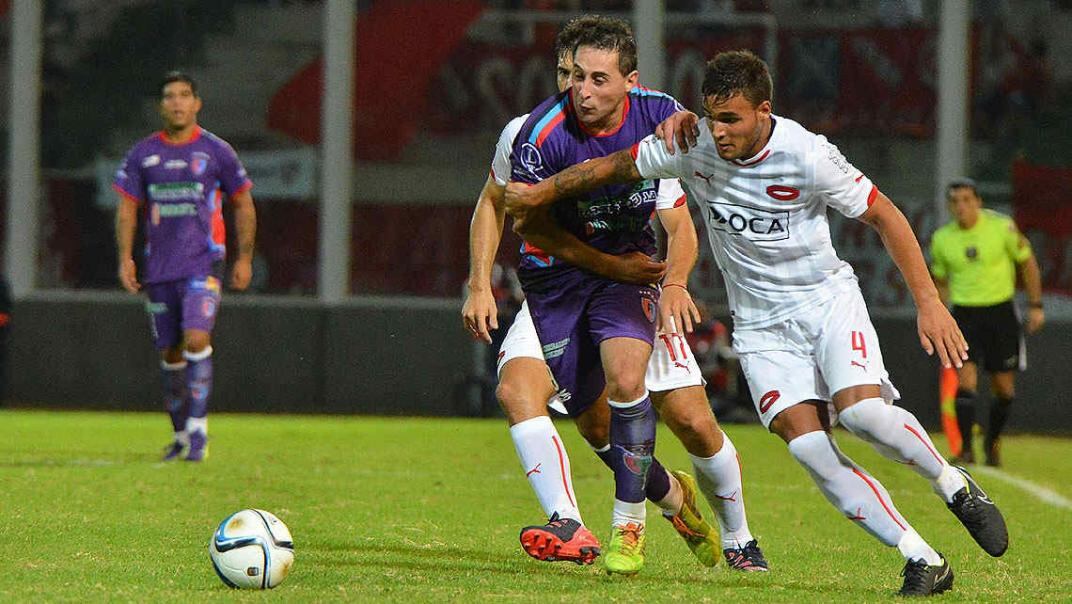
{"points": [[995, 337]]}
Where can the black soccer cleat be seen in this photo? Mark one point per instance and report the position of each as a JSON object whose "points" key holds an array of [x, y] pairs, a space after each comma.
{"points": [[748, 558], [980, 516], [923, 580]]}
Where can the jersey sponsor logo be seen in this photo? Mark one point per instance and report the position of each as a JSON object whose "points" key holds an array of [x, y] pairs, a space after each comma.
{"points": [[754, 224], [160, 211], [176, 191], [199, 163], [783, 193], [175, 164], [838, 159], [768, 400], [150, 161]]}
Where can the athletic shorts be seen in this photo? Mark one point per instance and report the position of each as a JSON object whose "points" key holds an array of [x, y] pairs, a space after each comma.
{"points": [[995, 338], [175, 306], [672, 364], [822, 350]]}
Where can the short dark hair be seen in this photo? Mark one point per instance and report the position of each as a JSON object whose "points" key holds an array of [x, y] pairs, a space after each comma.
{"points": [[738, 72], [177, 76], [571, 31], [961, 183], [610, 34]]}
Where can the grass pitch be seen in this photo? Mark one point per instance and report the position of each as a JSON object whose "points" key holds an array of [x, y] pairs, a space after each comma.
{"points": [[417, 510]]}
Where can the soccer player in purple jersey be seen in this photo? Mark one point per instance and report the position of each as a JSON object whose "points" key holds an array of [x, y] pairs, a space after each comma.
{"points": [[525, 385], [180, 177], [597, 332]]}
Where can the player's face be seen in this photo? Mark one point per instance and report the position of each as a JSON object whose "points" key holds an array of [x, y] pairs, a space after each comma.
{"points": [[599, 89], [964, 205], [740, 129], [564, 71], [179, 106]]}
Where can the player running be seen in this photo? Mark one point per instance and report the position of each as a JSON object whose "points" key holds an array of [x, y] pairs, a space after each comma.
{"points": [[525, 387], [181, 176], [802, 331]]}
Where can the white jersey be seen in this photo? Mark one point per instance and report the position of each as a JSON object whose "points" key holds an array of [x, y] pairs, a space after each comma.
{"points": [[670, 193], [766, 216]]}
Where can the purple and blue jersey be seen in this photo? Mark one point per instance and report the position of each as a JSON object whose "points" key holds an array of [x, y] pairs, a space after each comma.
{"points": [[613, 219], [183, 186]]}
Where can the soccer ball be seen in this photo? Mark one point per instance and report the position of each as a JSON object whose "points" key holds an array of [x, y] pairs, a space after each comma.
{"points": [[252, 549]]}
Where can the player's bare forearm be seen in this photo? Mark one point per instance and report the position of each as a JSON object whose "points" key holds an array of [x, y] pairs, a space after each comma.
{"points": [[542, 231], [903, 247], [126, 221], [615, 168], [943, 290], [682, 246], [1032, 278], [245, 216], [485, 234]]}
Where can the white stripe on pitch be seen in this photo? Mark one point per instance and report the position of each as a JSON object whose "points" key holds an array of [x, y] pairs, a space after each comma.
{"points": [[1038, 491]]}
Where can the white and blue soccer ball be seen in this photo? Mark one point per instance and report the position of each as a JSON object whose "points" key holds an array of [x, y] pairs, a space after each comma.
{"points": [[252, 549]]}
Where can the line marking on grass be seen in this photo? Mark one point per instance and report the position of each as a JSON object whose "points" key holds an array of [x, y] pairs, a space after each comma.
{"points": [[1038, 491]]}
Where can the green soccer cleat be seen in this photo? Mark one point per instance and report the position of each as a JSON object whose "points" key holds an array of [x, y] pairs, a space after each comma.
{"points": [[698, 534], [625, 554]]}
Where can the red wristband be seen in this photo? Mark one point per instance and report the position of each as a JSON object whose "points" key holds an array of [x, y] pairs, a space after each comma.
{"points": [[666, 285]]}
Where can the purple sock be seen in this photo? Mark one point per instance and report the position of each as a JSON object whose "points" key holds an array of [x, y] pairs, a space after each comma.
{"points": [[632, 436], [199, 381], [173, 378], [658, 484]]}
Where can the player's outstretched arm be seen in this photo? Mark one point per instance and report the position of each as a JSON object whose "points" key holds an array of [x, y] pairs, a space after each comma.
{"points": [[541, 230], [126, 222], [1032, 278], [677, 311], [523, 199], [245, 217], [682, 127], [938, 332], [480, 315]]}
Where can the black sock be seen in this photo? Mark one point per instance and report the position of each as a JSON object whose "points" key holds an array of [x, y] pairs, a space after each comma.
{"points": [[965, 405], [999, 414]]}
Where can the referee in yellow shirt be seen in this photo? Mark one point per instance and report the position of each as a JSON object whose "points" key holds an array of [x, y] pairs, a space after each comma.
{"points": [[974, 260]]}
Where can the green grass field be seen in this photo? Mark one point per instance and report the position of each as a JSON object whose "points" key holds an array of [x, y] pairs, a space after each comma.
{"points": [[415, 510]]}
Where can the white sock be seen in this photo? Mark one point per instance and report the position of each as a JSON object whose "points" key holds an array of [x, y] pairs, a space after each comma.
{"points": [[197, 424], [719, 478], [626, 512], [183, 437], [859, 496], [545, 463], [948, 483], [913, 547], [895, 433]]}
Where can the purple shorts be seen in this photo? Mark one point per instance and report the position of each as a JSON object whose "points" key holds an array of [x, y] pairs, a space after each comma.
{"points": [[175, 306], [572, 320]]}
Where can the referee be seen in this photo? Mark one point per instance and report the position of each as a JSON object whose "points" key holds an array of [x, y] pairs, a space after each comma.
{"points": [[975, 260]]}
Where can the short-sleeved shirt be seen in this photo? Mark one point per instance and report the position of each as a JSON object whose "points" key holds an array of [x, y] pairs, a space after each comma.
{"points": [[613, 219], [979, 263], [671, 195], [766, 216], [183, 187]]}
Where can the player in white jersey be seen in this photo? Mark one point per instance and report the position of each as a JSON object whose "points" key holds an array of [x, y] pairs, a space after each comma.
{"points": [[802, 331], [526, 389]]}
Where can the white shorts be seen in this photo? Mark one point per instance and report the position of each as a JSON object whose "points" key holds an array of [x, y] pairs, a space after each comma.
{"points": [[821, 351], [671, 366]]}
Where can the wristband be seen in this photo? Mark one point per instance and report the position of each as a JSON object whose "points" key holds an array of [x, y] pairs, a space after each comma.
{"points": [[666, 285]]}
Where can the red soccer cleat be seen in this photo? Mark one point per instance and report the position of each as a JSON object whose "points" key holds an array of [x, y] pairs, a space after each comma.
{"points": [[561, 539]]}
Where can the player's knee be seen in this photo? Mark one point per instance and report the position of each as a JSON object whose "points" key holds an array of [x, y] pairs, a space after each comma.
{"points": [[697, 424], [626, 388], [868, 419], [518, 403], [197, 341]]}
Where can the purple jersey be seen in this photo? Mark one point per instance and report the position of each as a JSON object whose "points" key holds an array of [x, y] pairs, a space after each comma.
{"points": [[184, 186], [614, 219]]}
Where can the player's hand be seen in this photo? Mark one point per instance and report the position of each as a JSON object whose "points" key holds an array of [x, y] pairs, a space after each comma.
{"points": [[636, 268], [938, 332], [480, 315], [682, 128], [1035, 319], [676, 310], [241, 274], [128, 275], [522, 197]]}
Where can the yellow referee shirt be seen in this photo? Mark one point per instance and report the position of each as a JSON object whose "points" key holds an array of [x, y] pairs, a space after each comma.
{"points": [[979, 263]]}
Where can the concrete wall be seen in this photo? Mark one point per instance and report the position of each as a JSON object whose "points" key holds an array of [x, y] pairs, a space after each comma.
{"points": [[380, 356]]}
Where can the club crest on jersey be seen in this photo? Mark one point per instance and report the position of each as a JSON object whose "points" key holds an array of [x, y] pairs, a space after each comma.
{"points": [[530, 158], [198, 163], [755, 224]]}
